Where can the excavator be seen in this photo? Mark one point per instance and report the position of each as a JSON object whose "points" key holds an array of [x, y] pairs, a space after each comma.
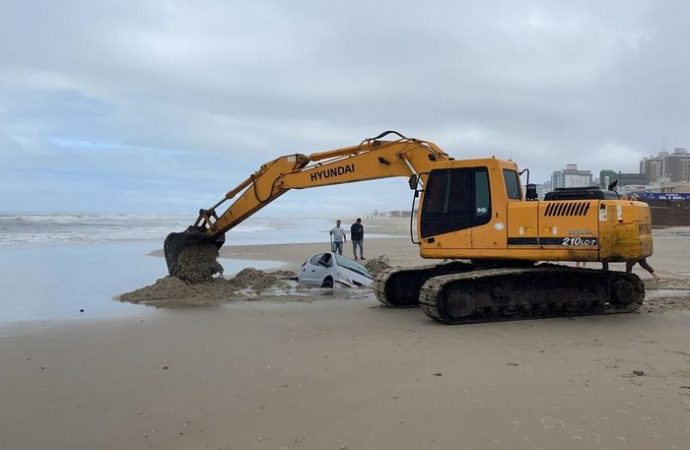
{"points": [[498, 247]]}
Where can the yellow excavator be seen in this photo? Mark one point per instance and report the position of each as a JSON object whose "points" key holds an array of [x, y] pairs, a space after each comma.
{"points": [[499, 244]]}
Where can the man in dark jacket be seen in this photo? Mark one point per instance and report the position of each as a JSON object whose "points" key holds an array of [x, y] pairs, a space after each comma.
{"points": [[357, 238]]}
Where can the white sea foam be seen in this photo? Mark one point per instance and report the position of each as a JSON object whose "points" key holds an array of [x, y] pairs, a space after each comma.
{"points": [[31, 229], [41, 229], [23, 229], [244, 228]]}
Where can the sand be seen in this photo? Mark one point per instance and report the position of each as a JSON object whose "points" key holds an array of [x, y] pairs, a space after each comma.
{"points": [[196, 286], [198, 263], [247, 284], [341, 372]]}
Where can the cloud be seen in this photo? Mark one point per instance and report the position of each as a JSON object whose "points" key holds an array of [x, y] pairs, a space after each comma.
{"points": [[147, 102]]}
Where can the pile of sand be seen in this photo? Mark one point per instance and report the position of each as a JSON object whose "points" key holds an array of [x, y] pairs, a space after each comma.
{"points": [[260, 281], [173, 290], [377, 265]]}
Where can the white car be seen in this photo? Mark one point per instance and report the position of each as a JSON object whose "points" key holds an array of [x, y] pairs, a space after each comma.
{"points": [[332, 270]]}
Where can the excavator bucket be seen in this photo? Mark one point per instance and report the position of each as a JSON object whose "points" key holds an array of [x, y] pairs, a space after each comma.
{"points": [[191, 254]]}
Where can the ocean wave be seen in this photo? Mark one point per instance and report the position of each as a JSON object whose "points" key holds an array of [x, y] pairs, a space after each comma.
{"points": [[31, 229], [243, 228], [39, 229], [51, 218], [42, 228]]}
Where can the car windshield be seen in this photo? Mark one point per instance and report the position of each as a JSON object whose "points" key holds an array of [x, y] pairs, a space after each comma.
{"points": [[355, 267]]}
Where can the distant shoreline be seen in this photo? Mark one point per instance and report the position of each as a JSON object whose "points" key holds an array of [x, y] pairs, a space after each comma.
{"points": [[397, 240], [297, 253]]}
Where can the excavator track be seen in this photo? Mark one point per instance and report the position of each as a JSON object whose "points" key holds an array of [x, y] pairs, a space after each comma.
{"points": [[400, 288], [542, 291]]}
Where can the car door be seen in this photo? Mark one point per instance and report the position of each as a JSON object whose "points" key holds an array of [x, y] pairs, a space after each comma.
{"points": [[316, 269]]}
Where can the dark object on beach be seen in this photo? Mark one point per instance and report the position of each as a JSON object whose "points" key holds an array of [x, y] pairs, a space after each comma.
{"points": [[639, 373]]}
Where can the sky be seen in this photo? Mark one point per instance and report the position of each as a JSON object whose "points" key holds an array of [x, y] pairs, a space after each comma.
{"points": [[163, 106]]}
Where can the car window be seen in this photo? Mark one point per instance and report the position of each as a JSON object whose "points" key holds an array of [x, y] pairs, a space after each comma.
{"points": [[314, 261], [326, 260], [351, 265]]}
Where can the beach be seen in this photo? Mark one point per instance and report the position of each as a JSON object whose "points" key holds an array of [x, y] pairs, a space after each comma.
{"points": [[335, 370]]}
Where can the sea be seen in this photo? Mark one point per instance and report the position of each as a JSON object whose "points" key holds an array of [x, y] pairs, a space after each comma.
{"points": [[59, 266]]}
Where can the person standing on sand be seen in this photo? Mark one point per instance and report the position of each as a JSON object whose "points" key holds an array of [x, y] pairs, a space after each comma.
{"points": [[339, 238], [644, 264], [357, 238]]}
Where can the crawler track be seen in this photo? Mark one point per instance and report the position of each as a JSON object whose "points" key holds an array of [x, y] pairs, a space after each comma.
{"points": [[400, 288], [535, 292]]}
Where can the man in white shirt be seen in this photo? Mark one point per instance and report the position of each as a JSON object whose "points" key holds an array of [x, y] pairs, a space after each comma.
{"points": [[339, 238]]}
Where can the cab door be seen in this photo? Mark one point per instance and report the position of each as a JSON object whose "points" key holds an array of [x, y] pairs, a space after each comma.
{"points": [[455, 202]]}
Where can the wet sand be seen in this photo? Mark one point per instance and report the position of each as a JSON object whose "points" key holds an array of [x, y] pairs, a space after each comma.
{"points": [[340, 372]]}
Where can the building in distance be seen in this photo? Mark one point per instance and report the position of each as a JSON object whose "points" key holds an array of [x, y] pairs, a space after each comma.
{"points": [[571, 177], [673, 167], [608, 176]]}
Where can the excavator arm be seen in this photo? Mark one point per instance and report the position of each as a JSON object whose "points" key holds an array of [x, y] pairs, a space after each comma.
{"points": [[372, 159]]}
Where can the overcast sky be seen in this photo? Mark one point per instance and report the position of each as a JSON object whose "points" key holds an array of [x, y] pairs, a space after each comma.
{"points": [[164, 106]]}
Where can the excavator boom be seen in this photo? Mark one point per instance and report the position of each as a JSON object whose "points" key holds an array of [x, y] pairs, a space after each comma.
{"points": [[373, 158]]}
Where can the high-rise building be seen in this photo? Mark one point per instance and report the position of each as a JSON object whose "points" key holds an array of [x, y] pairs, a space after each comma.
{"points": [[667, 166], [571, 177], [608, 176]]}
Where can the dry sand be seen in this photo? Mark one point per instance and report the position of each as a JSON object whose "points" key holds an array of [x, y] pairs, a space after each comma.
{"points": [[341, 372]]}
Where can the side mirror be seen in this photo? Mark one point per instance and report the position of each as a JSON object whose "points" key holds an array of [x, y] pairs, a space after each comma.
{"points": [[414, 179]]}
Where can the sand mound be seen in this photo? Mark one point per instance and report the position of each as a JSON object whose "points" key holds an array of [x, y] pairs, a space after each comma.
{"points": [[377, 265], [259, 281], [248, 283], [174, 289]]}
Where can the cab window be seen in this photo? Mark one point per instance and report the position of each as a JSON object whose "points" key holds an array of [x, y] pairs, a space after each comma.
{"points": [[512, 184], [455, 199]]}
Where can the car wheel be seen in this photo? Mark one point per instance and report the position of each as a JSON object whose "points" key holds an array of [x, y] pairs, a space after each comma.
{"points": [[327, 282]]}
